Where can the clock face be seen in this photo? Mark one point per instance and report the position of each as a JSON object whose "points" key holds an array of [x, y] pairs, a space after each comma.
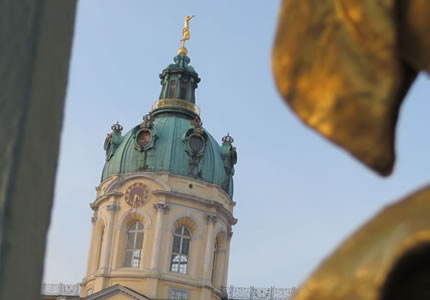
{"points": [[136, 194]]}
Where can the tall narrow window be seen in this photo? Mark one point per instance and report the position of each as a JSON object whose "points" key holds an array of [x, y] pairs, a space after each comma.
{"points": [[183, 94], [133, 249], [172, 88], [180, 250], [215, 261]]}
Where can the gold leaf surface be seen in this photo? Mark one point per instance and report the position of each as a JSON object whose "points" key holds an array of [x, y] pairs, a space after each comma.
{"points": [[337, 65], [360, 267]]}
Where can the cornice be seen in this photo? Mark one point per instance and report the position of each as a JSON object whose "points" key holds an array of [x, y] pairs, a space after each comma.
{"points": [[121, 178], [199, 283], [194, 199], [104, 197], [165, 277]]}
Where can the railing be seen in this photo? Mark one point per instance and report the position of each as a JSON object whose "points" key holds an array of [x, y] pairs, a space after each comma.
{"points": [[61, 289], [233, 292], [251, 292], [176, 103]]}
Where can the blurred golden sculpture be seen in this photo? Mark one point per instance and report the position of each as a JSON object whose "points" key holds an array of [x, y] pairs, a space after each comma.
{"points": [[386, 259], [344, 67]]}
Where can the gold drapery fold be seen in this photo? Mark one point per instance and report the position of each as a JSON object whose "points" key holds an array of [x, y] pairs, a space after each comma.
{"points": [[344, 67]]}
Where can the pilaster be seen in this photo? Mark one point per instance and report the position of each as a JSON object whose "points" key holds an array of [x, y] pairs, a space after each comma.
{"points": [[91, 249], [113, 211], [162, 209], [211, 220]]}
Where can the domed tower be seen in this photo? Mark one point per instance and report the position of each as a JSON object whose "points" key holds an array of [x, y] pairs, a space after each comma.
{"points": [[164, 210]]}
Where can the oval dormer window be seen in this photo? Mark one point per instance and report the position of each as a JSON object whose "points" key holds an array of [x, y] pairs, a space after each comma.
{"points": [[196, 143], [144, 138]]}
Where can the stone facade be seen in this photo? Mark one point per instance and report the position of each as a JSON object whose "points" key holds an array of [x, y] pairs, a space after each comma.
{"points": [[171, 202]]}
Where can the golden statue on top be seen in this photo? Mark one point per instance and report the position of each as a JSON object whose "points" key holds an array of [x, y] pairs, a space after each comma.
{"points": [[185, 35]]}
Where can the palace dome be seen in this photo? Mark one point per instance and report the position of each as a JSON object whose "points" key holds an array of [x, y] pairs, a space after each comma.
{"points": [[171, 138]]}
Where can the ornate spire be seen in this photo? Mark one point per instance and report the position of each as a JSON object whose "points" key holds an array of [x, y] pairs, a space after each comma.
{"points": [[185, 35], [179, 82]]}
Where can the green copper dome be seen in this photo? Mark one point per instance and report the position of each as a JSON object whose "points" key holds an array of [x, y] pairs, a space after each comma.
{"points": [[171, 138]]}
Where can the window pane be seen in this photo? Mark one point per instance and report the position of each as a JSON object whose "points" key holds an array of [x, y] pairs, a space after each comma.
{"points": [[183, 268], [172, 89], [185, 246], [136, 254], [183, 90], [176, 243], [176, 258], [180, 250], [130, 240], [186, 232], [175, 263], [139, 240], [136, 259], [179, 294], [133, 245], [183, 264], [127, 259]]}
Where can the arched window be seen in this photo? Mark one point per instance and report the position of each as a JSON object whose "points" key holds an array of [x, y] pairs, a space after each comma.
{"points": [[133, 249], [215, 260], [180, 250]]}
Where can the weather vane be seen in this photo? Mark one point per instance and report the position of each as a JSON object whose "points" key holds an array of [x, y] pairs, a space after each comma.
{"points": [[185, 35]]}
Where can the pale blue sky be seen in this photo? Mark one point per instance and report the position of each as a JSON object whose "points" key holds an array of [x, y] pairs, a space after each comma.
{"points": [[297, 195]]}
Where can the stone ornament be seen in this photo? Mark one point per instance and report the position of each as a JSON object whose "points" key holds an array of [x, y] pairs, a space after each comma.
{"points": [[162, 206], [113, 140], [136, 194], [146, 135], [195, 140]]}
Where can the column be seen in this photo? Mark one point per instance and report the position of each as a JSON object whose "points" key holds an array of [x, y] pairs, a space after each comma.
{"points": [[162, 208]]}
